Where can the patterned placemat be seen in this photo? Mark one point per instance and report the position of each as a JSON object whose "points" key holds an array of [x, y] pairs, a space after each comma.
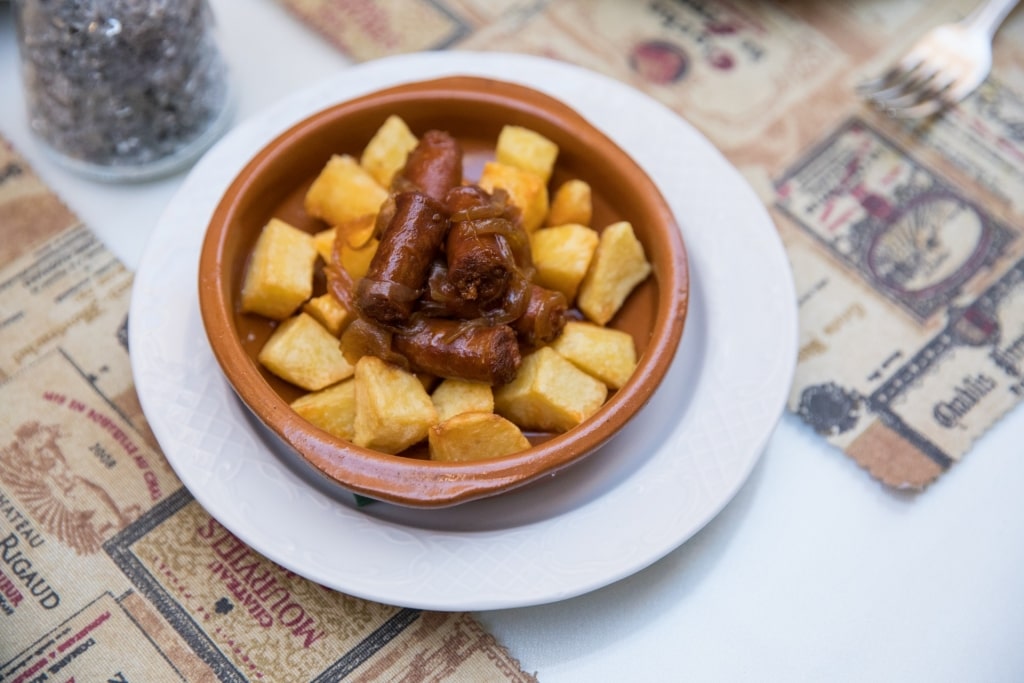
{"points": [[905, 238], [109, 570]]}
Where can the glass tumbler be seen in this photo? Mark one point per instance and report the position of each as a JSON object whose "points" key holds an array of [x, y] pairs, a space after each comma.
{"points": [[121, 90]]}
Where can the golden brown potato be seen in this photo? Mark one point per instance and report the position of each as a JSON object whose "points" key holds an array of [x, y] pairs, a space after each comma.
{"points": [[454, 396], [475, 436], [526, 149], [355, 259], [561, 255], [393, 410], [602, 352], [358, 245], [342, 191], [327, 311], [526, 190], [549, 394], [385, 153], [571, 203], [332, 409], [305, 353], [324, 242], [619, 265], [280, 273]]}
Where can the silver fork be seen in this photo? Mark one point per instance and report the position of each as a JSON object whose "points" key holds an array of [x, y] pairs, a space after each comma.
{"points": [[943, 67]]}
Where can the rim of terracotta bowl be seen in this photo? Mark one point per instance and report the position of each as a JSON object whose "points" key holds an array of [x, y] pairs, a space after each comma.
{"points": [[423, 483]]}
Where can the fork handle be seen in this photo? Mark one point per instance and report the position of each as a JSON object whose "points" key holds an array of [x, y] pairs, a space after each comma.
{"points": [[989, 15]]}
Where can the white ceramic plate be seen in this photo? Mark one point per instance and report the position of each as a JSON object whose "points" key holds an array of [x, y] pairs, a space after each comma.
{"points": [[642, 495]]}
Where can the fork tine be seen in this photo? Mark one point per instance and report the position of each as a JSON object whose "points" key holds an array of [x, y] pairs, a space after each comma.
{"points": [[942, 92], [931, 86], [939, 95], [879, 82], [894, 75], [918, 94], [913, 81]]}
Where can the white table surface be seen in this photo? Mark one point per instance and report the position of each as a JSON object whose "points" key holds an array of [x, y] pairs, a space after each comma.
{"points": [[814, 572]]}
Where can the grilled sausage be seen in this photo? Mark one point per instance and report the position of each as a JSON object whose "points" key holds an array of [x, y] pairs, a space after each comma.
{"points": [[544, 317], [464, 350], [478, 247], [399, 268], [433, 167]]}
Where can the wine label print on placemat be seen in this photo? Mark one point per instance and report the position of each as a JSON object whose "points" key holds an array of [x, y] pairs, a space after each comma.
{"points": [[912, 249]]}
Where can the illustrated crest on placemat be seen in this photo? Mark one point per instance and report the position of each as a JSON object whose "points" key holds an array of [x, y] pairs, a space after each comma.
{"points": [[73, 508]]}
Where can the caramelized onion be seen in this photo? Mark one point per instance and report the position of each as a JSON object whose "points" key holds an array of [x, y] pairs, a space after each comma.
{"points": [[340, 285], [514, 237], [471, 203], [513, 306], [355, 233], [398, 298], [365, 338], [441, 300]]}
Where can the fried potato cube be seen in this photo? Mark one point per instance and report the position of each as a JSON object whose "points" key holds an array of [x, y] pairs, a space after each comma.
{"points": [[549, 394], [571, 203], [602, 352], [305, 353], [619, 265], [327, 311], [454, 396], [475, 436], [324, 243], [562, 255], [526, 149], [280, 273], [343, 190], [526, 190], [386, 152], [393, 410], [356, 256], [357, 247], [332, 409]]}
